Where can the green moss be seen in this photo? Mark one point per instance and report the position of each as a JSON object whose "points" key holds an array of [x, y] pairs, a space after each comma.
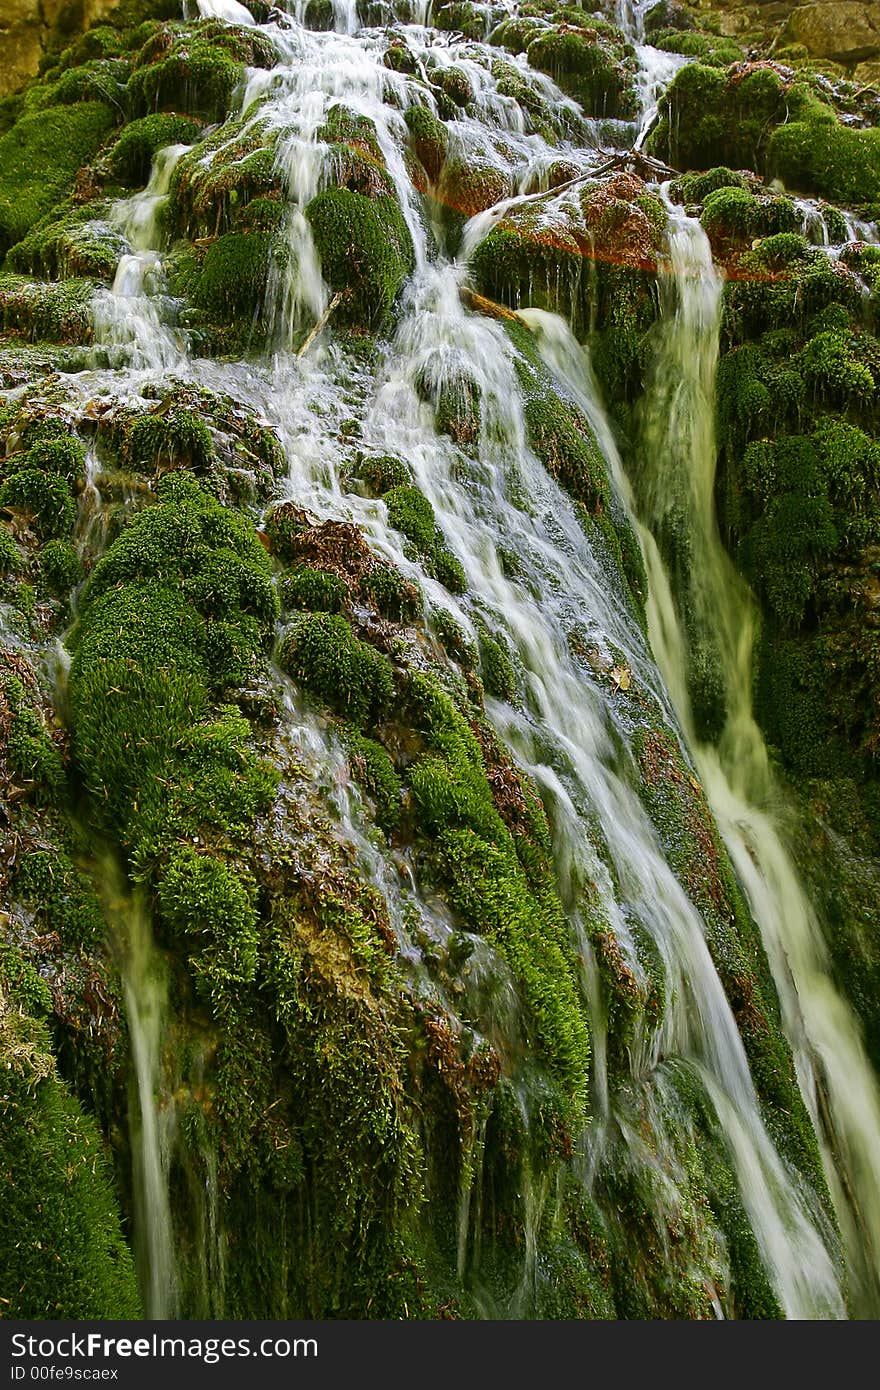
{"points": [[373, 770], [232, 283], [710, 117], [429, 139], [460, 17], [204, 900], [410, 512], [10, 555], [488, 885], [39, 159], [30, 750], [595, 74], [53, 313], [317, 590], [712, 49], [171, 438], [65, 1256], [322, 654], [365, 249], [396, 598], [63, 899], [54, 450], [176, 612], [817, 154], [44, 497], [458, 411], [78, 243], [496, 667], [735, 215], [132, 156], [693, 188], [199, 73], [61, 566], [760, 119], [564, 443]]}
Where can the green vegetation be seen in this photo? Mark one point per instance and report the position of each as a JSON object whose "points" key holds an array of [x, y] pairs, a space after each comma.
{"points": [[365, 249], [132, 155], [39, 159], [321, 653], [759, 118]]}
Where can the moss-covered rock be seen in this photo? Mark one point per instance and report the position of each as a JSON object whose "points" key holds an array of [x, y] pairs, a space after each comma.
{"points": [[65, 1255], [132, 155], [39, 159], [365, 249]]}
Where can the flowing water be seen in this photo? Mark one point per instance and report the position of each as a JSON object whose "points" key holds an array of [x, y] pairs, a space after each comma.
{"points": [[569, 727], [836, 1078]]}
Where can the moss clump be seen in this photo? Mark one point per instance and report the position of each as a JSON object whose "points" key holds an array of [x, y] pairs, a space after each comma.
{"points": [[199, 72], [79, 243], [321, 653], [232, 283], [693, 188], [496, 667], [373, 770], [64, 1254], [10, 555], [460, 17], [713, 50], [61, 566], [818, 154], [410, 512], [710, 117], [383, 472], [396, 598], [39, 159], [204, 901], [169, 439], [597, 74], [500, 884], [429, 139], [759, 117], [132, 156], [564, 444], [177, 612], [50, 313], [317, 590], [44, 497], [365, 249], [214, 185], [30, 752], [732, 215]]}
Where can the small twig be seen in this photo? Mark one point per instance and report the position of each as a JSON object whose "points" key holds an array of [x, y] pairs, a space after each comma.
{"points": [[321, 324]]}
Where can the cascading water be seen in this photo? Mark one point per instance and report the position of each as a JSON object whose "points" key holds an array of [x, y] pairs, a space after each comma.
{"points": [[678, 471], [536, 578]]}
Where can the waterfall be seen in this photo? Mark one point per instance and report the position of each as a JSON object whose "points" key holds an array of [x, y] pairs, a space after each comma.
{"points": [[538, 578], [836, 1078]]}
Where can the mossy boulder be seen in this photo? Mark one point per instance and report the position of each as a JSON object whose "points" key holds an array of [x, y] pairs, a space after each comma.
{"points": [[366, 252], [40, 158], [132, 155], [81, 242]]}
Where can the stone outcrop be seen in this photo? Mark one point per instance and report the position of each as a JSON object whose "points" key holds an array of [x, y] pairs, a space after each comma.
{"points": [[26, 27]]}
